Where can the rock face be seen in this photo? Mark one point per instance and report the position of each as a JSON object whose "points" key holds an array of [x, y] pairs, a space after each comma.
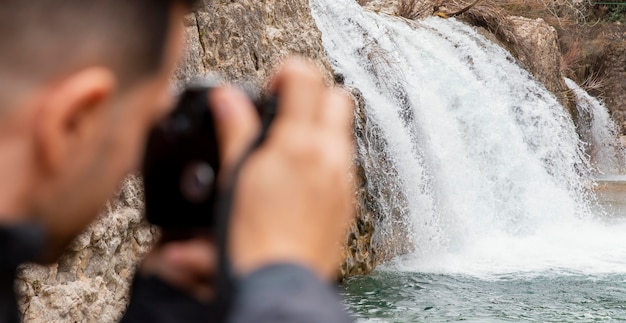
{"points": [[597, 61], [90, 282], [379, 231], [615, 81], [538, 50], [245, 40], [242, 40], [360, 254], [385, 6]]}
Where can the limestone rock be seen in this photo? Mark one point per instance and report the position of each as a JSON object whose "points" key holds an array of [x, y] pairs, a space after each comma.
{"points": [[600, 64], [615, 81], [191, 64], [90, 282], [245, 40], [537, 48], [385, 6], [374, 238], [359, 255]]}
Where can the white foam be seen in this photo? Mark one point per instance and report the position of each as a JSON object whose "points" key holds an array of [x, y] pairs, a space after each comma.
{"points": [[582, 247], [495, 176]]}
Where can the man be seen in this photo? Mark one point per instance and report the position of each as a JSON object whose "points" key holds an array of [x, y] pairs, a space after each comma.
{"points": [[82, 82]]}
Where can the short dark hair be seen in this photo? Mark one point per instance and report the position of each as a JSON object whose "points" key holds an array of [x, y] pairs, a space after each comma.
{"points": [[41, 38]]}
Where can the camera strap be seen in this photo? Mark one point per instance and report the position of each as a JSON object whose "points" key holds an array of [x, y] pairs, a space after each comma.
{"points": [[226, 287]]}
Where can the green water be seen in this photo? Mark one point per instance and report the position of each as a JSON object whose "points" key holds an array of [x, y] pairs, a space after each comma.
{"points": [[558, 294], [415, 297]]}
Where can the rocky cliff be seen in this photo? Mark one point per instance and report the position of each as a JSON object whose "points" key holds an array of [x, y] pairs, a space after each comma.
{"points": [[245, 40], [595, 57], [538, 50], [615, 80], [90, 282]]}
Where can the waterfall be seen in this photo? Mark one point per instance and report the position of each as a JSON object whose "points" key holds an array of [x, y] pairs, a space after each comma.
{"points": [[486, 166], [599, 131]]}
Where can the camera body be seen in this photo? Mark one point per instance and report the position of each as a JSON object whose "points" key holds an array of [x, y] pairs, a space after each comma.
{"points": [[182, 163]]}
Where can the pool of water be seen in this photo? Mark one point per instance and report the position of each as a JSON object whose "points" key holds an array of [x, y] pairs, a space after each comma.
{"points": [[388, 296], [573, 275]]}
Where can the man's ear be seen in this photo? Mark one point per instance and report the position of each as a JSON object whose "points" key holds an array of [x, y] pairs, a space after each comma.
{"points": [[70, 113]]}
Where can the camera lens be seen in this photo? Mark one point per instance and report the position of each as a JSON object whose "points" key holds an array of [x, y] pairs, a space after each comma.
{"points": [[197, 182]]}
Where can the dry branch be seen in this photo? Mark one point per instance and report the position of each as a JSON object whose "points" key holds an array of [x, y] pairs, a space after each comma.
{"points": [[413, 9], [444, 14]]}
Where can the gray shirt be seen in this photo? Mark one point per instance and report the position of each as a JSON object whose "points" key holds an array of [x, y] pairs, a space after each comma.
{"points": [[281, 293], [287, 293]]}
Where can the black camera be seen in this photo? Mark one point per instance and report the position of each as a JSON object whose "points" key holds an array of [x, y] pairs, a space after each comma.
{"points": [[182, 163]]}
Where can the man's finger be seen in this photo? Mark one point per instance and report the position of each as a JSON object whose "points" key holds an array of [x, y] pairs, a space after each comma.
{"points": [[236, 123], [300, 87], [198, 286], [196, 256]]}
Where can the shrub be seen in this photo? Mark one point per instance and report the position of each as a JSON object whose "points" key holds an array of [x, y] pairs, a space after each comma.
{"points": [[555, 12], [414, 9], [614, 12]]}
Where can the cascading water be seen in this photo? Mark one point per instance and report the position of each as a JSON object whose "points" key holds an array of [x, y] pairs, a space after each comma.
{"points": [[599, 131], [488, 173]]}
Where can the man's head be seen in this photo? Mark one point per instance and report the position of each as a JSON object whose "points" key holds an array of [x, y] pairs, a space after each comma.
{"points": [[81, 82]]}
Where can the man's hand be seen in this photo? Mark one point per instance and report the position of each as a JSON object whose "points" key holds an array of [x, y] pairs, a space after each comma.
{"points": [[188, 265], [294, 196]]}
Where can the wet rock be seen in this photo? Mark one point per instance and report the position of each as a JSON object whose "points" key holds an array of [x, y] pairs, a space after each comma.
{"points": [[379, 231], [614, 79]]}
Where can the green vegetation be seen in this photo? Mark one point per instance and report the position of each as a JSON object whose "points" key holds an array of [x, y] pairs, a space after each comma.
{"points": [[614, 11], [582, 12]]}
